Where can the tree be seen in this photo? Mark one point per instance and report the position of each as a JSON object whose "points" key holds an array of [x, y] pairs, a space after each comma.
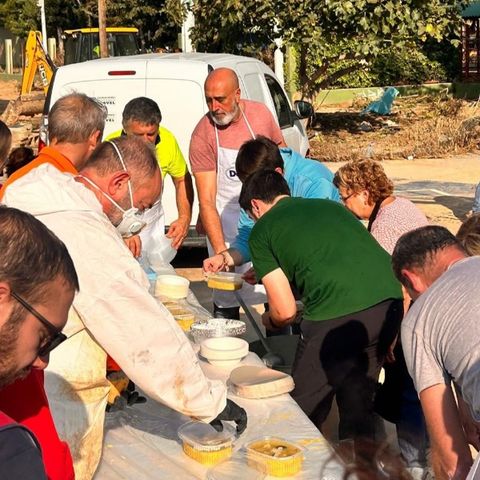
{"points": [[21, 16], [158, 22], [332, 37]]}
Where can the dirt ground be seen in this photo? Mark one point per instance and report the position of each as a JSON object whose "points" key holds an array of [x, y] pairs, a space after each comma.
{"points": [[430, 126]]}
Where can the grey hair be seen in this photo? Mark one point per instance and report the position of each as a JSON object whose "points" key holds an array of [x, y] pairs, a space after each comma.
{"points": [[139, 158], [75, 117], [143, 110]]}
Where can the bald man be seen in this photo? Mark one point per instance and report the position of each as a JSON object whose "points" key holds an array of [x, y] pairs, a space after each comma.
{"points": [[214, 145]]}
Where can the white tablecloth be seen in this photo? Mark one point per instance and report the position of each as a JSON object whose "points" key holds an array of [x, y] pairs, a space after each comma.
{"points": [[141, 442]]}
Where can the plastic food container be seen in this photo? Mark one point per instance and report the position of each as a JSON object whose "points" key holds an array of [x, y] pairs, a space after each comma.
{"points": [[217, 327], [204, 444], [224, 351], [225, 281], [275, 456], [185, 320], [171, 286]]}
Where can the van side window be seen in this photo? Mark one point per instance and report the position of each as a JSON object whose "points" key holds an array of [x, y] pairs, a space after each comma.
{"points": [[280, 101], [254, 83]]}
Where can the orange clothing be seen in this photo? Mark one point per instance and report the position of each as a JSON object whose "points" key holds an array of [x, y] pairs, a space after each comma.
{"points": [[47, 155]]}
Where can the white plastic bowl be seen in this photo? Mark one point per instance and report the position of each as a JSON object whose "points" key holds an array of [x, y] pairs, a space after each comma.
{"points": [[224, 351], [171, 286]]}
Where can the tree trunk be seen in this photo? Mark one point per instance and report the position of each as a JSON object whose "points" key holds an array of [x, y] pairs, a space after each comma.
{"points": [[102, 26]]}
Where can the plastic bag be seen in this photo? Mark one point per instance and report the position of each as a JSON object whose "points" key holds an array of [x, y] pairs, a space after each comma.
{"points": [[383, 106]]}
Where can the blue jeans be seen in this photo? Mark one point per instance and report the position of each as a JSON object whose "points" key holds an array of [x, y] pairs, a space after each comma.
{"points": [[411, 429]]}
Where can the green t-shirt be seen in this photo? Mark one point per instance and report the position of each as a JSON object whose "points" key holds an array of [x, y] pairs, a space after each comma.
{"points": [[169, 156], [330, 257]]}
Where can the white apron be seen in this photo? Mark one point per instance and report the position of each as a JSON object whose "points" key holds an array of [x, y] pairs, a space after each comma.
{"points": [[156, 247], [228, 191]]}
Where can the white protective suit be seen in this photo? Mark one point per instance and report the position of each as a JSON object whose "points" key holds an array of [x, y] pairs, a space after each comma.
{"points": [[113, 313]]}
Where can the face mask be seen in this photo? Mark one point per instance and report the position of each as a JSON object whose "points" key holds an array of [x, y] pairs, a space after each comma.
{"points": [[131, 223]]}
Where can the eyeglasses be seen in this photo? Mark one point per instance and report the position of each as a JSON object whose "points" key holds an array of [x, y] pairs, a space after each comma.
{"points": [[56, 338], [344, 199]]}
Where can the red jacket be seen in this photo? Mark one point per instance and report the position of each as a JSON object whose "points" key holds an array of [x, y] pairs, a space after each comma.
{"points": [[25, 402]]}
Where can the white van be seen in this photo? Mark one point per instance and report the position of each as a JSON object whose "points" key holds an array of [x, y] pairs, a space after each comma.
{"points": [[175, 82]]}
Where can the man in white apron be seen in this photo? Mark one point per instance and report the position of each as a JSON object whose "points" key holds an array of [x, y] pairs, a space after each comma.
{"points": [[213, 150], [141, 118]]}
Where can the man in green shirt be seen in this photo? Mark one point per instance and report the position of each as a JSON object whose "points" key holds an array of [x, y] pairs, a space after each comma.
{"points": [[353, 304]]}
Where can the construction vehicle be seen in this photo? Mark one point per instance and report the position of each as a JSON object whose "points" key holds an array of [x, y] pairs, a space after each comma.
{"points": [[83, 44], [36, 59]]}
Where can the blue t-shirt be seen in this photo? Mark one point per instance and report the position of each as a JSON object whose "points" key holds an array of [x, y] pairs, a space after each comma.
{"points": [[306, 179]]}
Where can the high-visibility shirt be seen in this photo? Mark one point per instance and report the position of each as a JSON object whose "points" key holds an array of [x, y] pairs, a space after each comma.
{"points": [[169, 156]]}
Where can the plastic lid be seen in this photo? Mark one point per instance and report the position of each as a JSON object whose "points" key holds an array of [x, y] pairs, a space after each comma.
{"points": [[203, 436], [226, 276]]}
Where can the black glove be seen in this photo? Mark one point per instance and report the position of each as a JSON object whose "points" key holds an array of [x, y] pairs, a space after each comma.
{"points": [[233, 413]]}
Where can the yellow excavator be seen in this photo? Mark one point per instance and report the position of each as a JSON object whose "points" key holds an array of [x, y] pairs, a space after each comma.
{"points": [[36, 59], [81, 44]]}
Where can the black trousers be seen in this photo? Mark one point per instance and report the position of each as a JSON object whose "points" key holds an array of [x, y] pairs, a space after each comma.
{"points": [[342, 357]]}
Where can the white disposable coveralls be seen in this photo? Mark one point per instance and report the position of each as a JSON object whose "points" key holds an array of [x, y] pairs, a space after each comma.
{"points": [[118, 316]]}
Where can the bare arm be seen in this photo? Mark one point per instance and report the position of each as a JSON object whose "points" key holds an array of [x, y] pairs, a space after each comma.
{"points": [[184, 196], [283, 308], [451, 456], [207, 193]]}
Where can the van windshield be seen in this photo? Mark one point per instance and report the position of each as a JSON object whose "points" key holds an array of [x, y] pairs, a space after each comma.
{"points": [[81, 47]]}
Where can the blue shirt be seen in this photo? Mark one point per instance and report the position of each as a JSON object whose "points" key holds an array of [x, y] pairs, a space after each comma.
{"points": [[306, 179]]}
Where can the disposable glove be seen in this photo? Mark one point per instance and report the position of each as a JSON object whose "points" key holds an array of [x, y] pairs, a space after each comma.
{"points": [[231, 413]]}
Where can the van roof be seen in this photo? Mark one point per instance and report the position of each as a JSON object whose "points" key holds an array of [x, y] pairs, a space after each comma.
{"points": [[208, 58], [108, 29]]}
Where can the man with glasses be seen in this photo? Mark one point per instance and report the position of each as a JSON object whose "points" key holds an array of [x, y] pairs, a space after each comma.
{"points": [[37, 285], [89, 213]]}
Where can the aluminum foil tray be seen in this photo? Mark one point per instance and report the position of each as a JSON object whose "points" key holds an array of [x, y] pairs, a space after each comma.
{"points": [[217, 327]]}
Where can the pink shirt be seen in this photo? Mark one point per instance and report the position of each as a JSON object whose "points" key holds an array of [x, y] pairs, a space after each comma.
{"points": [[203, 144], [395, 219]]}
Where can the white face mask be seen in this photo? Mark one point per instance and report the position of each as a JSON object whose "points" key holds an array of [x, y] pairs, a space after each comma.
{"points": [[131, 223]]}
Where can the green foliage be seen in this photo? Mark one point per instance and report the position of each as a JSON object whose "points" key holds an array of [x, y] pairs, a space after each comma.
{"points": [[20, 16], [159, 22], [406, 67], [359, 30]]}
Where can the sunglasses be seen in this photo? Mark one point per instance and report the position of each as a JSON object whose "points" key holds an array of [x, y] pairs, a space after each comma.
{"points": [[56, 335]]}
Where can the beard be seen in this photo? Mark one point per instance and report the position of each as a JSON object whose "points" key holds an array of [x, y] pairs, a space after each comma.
{"points": [[226, 118], [9, 371]]}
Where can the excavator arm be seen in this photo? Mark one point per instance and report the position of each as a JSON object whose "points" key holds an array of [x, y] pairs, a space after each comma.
{"points": [[36, 58]]}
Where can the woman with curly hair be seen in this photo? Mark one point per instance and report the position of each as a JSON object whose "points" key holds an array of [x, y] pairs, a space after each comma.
{"points": [[368, 193]]}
